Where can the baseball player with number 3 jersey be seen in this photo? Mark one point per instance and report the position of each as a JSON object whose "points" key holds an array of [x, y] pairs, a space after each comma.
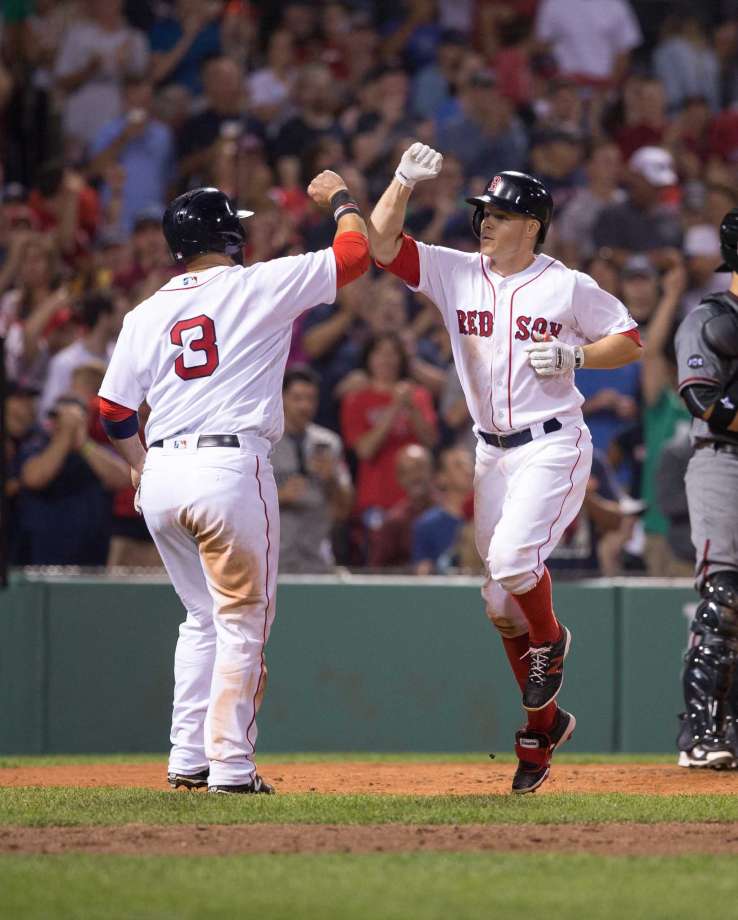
{"points": [[520, 323], [208, 353]]}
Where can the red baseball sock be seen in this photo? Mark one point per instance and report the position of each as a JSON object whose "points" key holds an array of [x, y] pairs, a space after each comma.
{"points": [[515, 649], [543, 719], [537, 605]]}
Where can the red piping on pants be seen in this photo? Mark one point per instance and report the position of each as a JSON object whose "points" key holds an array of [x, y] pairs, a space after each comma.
{"points": [[266, 609]]}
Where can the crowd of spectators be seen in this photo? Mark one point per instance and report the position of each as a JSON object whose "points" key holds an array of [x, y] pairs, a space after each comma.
{"points": [[627, 111]]}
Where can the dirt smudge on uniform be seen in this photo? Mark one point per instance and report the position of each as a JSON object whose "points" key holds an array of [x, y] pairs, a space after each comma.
{"points": [[229, 691], [234, 573]]}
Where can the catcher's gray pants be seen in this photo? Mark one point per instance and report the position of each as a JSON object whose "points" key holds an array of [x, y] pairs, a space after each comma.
{"points": [[712, 495]]}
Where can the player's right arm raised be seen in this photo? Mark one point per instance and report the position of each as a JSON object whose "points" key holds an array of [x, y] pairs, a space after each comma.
{"points": [[418, 163], [328, 190]]}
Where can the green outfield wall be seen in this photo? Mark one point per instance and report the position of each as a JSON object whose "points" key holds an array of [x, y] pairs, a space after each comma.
{"points": [[359, 664]]}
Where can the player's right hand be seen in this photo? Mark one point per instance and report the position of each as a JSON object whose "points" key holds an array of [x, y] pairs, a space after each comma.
{"points": [[324, 186], [418, 163]]}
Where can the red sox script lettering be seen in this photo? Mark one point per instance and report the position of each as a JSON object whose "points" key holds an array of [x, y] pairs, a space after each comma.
{"points": [[475, 322], [539, 325], [479, 322]]}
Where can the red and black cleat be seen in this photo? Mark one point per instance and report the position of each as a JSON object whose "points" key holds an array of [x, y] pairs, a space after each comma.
{"points": [[535, 750], [546, 672]]}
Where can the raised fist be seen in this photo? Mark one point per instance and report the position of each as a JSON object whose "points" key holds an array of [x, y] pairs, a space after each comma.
{"points": [[419, 162], [324, 186]]}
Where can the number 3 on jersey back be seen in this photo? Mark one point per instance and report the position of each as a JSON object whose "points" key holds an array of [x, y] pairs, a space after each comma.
{"points": [[205, 342]]}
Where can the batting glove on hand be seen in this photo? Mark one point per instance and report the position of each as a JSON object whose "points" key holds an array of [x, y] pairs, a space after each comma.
{"points": [[549, 357], [419, 162]]}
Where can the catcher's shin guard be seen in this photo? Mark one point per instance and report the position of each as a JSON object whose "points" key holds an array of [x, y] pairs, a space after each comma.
{"points": [[710, 664]]}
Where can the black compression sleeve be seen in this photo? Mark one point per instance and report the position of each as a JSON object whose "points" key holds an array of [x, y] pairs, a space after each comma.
{"points": [[700, 398]]}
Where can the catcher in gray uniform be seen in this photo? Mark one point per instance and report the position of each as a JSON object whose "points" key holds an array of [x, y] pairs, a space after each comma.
{"points": [[707, 354]]}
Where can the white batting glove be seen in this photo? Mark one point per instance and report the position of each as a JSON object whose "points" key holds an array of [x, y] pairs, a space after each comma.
{"points": [[419, 162], [549, 357]]}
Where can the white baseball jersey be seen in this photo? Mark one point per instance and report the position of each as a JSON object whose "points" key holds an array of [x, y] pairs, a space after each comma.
{"points": [[491, 320], [208, 350]]}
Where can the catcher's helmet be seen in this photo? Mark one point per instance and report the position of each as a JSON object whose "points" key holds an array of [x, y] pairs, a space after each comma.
{"points": [[729, 241], [518, 192], [204, 220]]}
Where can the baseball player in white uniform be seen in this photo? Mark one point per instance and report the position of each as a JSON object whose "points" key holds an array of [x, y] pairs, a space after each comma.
{"points": [[520, 324], [208, 353]]}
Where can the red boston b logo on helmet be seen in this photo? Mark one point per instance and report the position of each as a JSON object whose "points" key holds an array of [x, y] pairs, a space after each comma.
{"points": [[494, 184]]}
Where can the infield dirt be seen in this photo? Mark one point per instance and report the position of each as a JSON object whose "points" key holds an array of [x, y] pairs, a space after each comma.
{"points": [[397, 778], [627, 839]]}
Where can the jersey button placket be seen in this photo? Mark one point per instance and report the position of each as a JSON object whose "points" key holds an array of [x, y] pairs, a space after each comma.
{"points": [[493, 351], [500, 350]]}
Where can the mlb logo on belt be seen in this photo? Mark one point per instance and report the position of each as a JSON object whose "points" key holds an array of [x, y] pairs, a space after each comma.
{"points": [[494, 184], [180, 444]]}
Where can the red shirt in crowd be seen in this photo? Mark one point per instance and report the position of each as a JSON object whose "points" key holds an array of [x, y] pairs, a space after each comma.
{"points": [[376, 481]]}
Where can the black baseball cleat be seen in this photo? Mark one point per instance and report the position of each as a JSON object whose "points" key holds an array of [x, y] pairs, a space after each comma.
{"points": [[188, 780], [716, 755], [535, 750], [716, 752], [545, 672], [257, 786]]}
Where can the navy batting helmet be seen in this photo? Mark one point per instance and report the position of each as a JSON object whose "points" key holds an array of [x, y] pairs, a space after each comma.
{"points": [[204, 220], [517, 192], [729, 241]]}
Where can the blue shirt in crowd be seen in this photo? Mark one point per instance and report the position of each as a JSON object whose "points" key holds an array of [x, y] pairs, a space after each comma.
{"points": [[606, 424], [164, 36], [148, 161], [434, 537]]}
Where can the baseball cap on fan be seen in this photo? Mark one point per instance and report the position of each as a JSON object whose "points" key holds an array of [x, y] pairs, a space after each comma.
{"points": [[655, 165], [639, 266], [702, 240]]}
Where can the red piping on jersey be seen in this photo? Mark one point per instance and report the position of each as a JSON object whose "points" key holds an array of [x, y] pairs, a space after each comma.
{"points": [[705, 564], [351, 250], [494, 315], [113, 411], [571, 486], [191, 287], [633, 334], [266, 610], [406, 264], [509, 345], [686, 382]]}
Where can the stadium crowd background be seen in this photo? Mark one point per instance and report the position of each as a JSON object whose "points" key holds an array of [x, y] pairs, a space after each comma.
{"points": [[627, 111]]}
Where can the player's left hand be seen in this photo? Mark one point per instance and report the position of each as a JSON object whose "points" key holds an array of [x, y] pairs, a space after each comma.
{"points": [[549, 357]]}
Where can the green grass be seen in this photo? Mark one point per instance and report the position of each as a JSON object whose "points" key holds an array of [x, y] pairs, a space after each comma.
{"points": [[47, 760], [65, 806], [371, 887]]}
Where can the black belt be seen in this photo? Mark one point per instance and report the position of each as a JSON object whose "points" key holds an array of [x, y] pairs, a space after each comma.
{"points": [[209, 440], [520, 437], [719, 445]]}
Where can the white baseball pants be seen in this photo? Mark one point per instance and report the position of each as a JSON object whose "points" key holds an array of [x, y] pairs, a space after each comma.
{"points": [[524, 499], [214, 516]]}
